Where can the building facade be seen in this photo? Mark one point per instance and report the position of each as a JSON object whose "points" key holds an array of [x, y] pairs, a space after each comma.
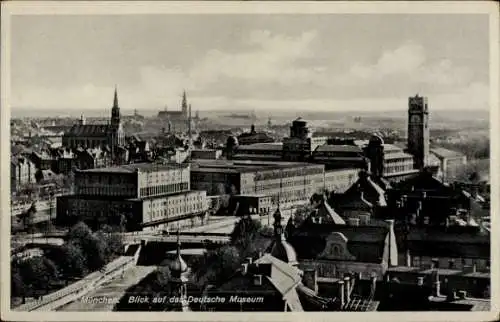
{"points": [[291, 183], [450, 162], [22, 172], [144, 195]]}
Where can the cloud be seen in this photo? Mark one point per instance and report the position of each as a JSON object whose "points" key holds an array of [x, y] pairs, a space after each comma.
{"points": [[274, 64], [409, 63], [273, 58]]}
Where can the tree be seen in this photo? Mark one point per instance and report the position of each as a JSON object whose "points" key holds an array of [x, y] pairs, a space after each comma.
{"points": [[112, 242], [79, 232], [93, 248], [70, 260], [300, 214], [37, 273], [216, 266], [95, 253], [17, 287], [244, 231]]}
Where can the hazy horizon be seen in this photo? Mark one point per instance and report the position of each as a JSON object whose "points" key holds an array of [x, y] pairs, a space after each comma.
{"points": [[320, 62]]}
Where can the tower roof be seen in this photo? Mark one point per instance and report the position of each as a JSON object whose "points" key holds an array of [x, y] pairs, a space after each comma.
{"points": [[281, 249], [115, 100], [178, 265]]}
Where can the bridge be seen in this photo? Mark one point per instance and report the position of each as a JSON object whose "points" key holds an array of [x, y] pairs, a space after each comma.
{"points": [[129, 238]]}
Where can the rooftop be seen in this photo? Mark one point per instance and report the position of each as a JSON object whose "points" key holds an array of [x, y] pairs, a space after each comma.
{"points": [[339, 148], [262, 146], [137, 167], [445, 153], [228, 166]]}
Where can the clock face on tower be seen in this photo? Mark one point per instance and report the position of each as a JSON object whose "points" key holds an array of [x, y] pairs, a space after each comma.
{"points": [[415, 119]]}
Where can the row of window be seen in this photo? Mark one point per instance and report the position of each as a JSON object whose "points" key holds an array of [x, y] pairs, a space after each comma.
{"points": [[398, 168], [277, 174], [174, 201], [86, 179], [168, 176], [125, 191], [457, 263], [163, 189], [175, 211]]}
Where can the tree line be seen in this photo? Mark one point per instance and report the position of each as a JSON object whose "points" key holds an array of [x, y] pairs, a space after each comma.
{"points": [[83, 252]]}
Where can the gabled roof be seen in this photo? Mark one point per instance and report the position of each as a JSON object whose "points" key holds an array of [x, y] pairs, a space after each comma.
{"points": [[281, 278], [365, 243], [90, 130], [327, 215], [372, 192], [354, 200]]}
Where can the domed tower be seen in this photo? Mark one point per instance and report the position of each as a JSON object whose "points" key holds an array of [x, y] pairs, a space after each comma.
{"points": [[179, 271], [281, 249]]}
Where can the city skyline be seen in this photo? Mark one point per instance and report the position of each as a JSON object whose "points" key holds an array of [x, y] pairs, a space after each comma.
{"points": [[297, 61]]}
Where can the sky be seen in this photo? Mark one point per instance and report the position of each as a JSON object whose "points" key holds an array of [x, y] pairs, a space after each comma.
{"points": [[263, 62]]}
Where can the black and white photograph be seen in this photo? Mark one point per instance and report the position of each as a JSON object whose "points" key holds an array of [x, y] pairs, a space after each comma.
{"points": [[224, 157]]}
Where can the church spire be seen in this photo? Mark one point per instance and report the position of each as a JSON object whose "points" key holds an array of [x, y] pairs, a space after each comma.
{"points": [[115, 111], [115, 101], [184, 104]]}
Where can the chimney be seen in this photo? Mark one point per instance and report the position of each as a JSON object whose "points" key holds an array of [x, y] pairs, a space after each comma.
{"points": [[341, 293], [353, 221], [364, 219], [249, 260], [393, 248], [257, 280], [435, 263], [260, 254], [462, 295], [408, 258], [310, 279], [347, 289], [451, 264], [244, 268], [436, 289], [420, 281]]}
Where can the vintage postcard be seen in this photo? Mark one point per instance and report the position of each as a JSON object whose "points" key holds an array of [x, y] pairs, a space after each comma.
{"points": [[186, 161]]}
